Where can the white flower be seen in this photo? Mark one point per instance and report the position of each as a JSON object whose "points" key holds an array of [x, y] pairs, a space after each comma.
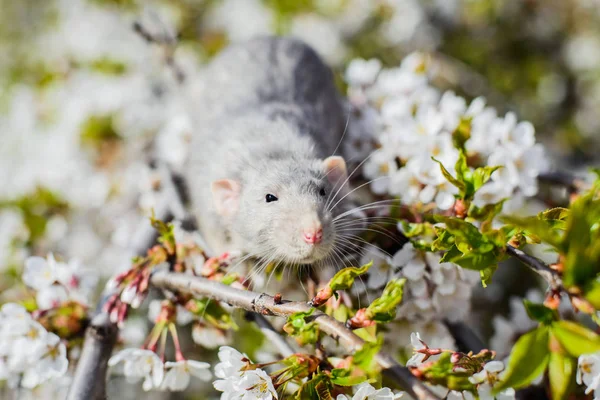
{"points": [[588, 373], [51, 361], [365, 391], [380, 271], [362, 72], [417, 344], [57, 282], [487, 377], [231, 361], [140, 364], [177, 376], [520, 168], [250, 385], [464, 395], [491, 193], [40, 272], [51, 297], [208, 336]]}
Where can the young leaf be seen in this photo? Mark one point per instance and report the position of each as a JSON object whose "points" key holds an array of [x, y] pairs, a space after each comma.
{"points": [[482, 175], [540, 313], [343, 377], [297, 326], [528, 360], [319, 387], [460, 185], [561, 371], [383, 309], [344, 279], [576, 339], [364, 357]]}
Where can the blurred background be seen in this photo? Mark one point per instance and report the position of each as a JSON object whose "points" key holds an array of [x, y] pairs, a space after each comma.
{"points": [[84, 95]]}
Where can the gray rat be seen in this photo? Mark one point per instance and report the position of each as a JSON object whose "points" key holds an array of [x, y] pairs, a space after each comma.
{"points": [[262, 176]]}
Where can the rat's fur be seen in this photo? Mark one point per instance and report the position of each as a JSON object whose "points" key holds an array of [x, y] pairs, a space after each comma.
{"points": [[268, 115]]}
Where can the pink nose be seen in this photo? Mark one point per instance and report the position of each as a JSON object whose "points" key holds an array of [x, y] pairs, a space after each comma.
{"points": [[313, 236]]}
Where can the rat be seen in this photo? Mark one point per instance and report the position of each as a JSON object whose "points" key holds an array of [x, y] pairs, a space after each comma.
{"points": [[262, 174]]}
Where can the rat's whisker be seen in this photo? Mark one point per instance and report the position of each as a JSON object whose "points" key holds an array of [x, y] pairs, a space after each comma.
{"points": [[346, 181], [329, 208], [373, 205]]}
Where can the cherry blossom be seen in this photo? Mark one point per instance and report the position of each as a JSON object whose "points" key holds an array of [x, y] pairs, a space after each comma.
{"points": [[177, 376]]}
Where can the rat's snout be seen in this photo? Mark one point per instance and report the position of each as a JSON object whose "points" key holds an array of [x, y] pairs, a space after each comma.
{"points": [[313, 235], [312, 229]]}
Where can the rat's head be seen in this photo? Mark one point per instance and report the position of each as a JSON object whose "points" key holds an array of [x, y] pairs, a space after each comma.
{"points": [[284, 210]]}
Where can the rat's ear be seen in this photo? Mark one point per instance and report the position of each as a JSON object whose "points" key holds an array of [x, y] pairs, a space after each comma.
{"points": [[226, 196], [335, 169]]}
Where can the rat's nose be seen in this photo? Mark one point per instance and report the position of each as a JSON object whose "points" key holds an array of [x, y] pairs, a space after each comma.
{"points": [[313, 236]]}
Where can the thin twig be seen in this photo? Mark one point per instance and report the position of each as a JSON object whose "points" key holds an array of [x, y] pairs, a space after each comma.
{"points": [[266, 305], [537, 265]]}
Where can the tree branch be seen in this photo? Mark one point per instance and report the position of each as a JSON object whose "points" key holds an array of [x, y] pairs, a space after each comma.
{"points": [[266, 305], [89, 382], [570, 182], [551, 276]]}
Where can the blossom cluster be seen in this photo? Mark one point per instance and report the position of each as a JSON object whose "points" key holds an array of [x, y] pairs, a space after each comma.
{"points": [[29, 354], [490, 372], [55, 282], [144, 364], [415, 127]]}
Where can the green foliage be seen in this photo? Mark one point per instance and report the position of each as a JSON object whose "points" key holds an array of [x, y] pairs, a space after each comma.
{"points": [[540, 312], [561, 372], [344, 377], [98, 130], [319, 387], [213, 313], [305, 332], [576, 339], [467, 180], [442, 373], [344, 279], [528, 360], [471, 249], [383, 308], [581, 244], [364, 358], [36, 209], [166, 233]]}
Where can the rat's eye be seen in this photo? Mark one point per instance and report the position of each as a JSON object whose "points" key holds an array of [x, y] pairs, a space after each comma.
{"points": [[270, 198], [322, 192]]}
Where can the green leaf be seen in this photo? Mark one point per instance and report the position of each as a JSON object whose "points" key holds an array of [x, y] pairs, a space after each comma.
{"points": [[474, 261], [364, 358], [482, 175], [319, 387], [540, 313], [561, 371], [528, 360], [305, 332], [344, 279], [459, 184], [487, 212], [343, 377], [536, 230], [555, 216], [582, 241], [486, 275], [383, 309], [576, 339]]}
